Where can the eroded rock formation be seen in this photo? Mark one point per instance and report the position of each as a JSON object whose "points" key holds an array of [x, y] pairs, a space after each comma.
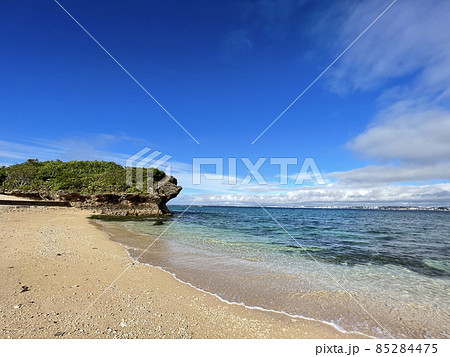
{"points": [[117, 204]]}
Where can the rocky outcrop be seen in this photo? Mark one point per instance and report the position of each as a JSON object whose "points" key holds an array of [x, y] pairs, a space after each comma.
{"points": [[117, 204]]}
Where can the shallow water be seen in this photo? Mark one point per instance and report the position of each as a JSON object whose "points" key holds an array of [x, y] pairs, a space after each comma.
{"points": [[382, 273]]}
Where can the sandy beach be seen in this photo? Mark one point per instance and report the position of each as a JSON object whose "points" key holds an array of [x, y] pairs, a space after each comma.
{"points": [[56, 266]]}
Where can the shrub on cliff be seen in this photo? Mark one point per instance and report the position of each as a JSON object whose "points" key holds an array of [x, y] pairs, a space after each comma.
{"points": [[2, 174], [85, 177]]}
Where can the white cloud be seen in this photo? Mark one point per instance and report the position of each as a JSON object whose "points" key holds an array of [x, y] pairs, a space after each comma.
{"points": [[333, 195], [384, 174], [372, 185], [412, 38], [415, 138], [410, 137]]}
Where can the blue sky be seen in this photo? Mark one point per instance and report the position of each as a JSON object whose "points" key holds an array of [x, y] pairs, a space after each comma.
{"points": [[377, 123]]}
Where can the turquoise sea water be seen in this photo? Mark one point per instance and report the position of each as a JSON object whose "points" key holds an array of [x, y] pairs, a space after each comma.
{"points": [[382, 273]]}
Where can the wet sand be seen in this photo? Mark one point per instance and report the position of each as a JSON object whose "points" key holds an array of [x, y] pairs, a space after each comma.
{"points": [[57, 267]]}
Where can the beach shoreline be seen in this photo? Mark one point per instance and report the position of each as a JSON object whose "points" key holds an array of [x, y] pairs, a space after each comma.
{"points": [[58, 268]]}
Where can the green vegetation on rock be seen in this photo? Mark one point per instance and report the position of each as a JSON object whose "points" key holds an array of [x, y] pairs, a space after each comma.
{"points": [[84, 177]]}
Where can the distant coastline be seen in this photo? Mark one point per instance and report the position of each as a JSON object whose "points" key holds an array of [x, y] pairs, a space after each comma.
{"points": [[384, 208]]}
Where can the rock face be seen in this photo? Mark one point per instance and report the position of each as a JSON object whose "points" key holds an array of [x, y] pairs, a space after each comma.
{"points": [[117, 204]]}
